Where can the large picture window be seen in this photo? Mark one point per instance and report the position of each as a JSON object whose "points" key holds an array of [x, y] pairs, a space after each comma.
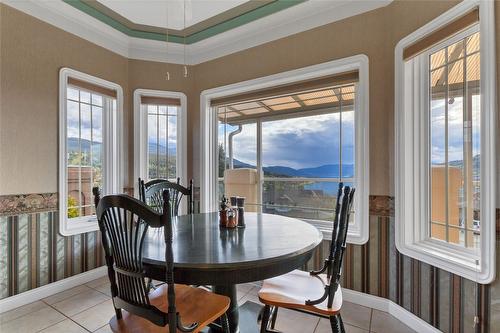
{"points": [[286, 148], [89, 147], [305, 154], [445, 129]]}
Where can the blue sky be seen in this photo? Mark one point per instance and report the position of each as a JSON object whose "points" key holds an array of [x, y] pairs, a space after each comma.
{"points": [[297, 143], [455, 129]]}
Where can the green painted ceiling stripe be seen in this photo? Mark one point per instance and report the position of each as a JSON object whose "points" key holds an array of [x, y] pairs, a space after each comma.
{"points": [[235, 22], [245, 18]]}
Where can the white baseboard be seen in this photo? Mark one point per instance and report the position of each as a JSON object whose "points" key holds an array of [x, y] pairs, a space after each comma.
{"points": [[36, 294], [374, 302], [386, 305]]}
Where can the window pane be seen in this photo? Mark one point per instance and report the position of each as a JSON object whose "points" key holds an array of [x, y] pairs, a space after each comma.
{"points": [[162, 141], [348, 141], [72, 94], [96, 100], [473, 43], [244, 149], [172, 146], [85, 148], [438, 59], [456, 51], [84, 97], [303, 147], [301, 199], [438, 154], [85, 133], [153, 146], [455, 146], [162, 146]]}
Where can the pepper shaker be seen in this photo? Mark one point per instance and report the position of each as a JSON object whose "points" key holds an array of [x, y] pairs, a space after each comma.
{"points": [[240, 201]]}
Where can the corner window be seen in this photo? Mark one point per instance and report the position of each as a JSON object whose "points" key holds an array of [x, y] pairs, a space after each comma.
{"points": [[89, 147], [445, 196], [286, 147], [160, 130]]}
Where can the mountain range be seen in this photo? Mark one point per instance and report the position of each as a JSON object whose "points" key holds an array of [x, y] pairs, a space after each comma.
{"points": [[323, 171], [73, 144]]}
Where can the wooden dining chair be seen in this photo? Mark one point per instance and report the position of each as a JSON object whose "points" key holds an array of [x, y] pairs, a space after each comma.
{"points": [[316, 292], [124, 222], [151, 193]]}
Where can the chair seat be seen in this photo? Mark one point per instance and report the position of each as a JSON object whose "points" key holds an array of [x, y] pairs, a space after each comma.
{"points": [[194, 305], [291, 291]]}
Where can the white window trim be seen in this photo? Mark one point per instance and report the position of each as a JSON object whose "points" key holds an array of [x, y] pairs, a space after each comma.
{"points": [[359, 232], [411, 174], [113, 154], [141, 137]]}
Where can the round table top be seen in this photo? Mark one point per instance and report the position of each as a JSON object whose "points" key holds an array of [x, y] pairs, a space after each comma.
{"points": [[199, 243]]}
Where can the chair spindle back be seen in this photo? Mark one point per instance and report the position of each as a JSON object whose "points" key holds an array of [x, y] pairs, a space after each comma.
{"points": [[124, 222], [333, 264], [151, 194]]}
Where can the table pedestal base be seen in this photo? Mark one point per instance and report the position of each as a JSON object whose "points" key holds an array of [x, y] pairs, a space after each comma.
{"points": [[232, 312], [248, 314]]}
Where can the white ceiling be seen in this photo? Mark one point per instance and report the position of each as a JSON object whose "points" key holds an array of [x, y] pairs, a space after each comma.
{"points": [[154, 12]]}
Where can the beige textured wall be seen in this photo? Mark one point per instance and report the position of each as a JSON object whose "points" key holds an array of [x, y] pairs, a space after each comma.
{"points": [[31, 54]]}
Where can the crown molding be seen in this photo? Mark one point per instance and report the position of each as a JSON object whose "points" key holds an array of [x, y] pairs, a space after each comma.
{"points": [[301, 17]]}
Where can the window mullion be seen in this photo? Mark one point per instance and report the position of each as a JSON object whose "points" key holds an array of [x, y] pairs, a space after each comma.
{"points": [[79, 154], [260, 172], [446, 172]]}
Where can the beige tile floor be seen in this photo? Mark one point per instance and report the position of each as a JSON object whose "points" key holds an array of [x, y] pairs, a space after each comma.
{"points": [[87, 308]]}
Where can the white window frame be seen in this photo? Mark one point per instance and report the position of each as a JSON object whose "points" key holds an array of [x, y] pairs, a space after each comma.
{"points": [[411, 155], [359, 230], [112, 150], [141, 135]]}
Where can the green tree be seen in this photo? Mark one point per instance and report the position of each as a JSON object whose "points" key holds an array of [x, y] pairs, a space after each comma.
{"points": [[222, 160], [72, 209]]}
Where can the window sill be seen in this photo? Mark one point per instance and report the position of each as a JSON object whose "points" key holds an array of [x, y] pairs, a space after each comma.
{"points": [[463, 263], [353, 236], [78, 226]]}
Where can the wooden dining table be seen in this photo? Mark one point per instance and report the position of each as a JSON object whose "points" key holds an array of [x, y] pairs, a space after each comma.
{"points": [[206, 254]]}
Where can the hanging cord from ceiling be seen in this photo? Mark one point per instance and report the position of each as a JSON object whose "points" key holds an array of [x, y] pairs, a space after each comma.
{"points": [[184, 42], [167, 75]]}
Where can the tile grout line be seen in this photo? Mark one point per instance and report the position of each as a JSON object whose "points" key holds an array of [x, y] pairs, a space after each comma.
{"points": [[371, 318], [317, 324], [36, 330], [76, 313], [66, 298], [66, 316]]}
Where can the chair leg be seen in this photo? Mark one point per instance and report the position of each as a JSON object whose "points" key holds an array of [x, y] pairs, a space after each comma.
{"points": [[265, 319], [118, 313], [274, 317], [337, 324], [224, 322]]}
